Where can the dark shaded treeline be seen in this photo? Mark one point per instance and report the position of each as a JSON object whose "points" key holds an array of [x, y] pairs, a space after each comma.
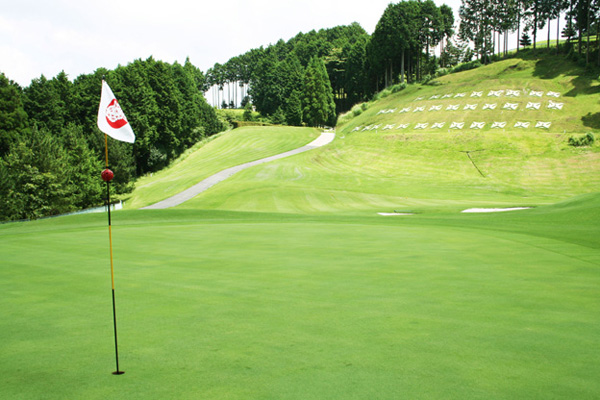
{"points": [[51, 151]]}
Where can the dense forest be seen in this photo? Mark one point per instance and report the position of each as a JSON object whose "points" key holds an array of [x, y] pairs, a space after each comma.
{"points": [[281, 76], [51, 151]]}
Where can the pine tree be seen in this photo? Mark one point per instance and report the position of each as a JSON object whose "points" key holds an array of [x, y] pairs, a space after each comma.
{"points": [[525, 40], [13, 118], [293, 109], [34, 182], [318, 104]]}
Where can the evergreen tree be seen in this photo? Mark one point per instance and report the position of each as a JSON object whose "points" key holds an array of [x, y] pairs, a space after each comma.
{"points": [[44, 105], [247, 116], [525, 40], [13, 118], [356, 82], [318, 104], [476, 26], [293, 108], [33, 179], [278, 117], [84, 189]]}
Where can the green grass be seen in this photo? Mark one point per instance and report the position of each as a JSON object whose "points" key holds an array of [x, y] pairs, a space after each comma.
{"points": [[216, 154], [282, 282], [435, 170], [367, 173], [579, 93], [246, 305]]}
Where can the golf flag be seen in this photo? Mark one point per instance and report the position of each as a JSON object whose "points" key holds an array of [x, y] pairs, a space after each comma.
{"points": [[111, 119]]}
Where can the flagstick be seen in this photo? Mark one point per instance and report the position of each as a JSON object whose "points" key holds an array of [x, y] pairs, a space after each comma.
{"points": [[107, 177]]}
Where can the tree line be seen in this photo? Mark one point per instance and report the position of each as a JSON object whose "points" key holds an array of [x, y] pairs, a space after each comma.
{"points": [[401, 49], [314, 76], [51, 151], [487, 23]]}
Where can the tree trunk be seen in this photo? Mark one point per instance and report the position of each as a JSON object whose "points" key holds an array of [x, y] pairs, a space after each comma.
{"points": [[499, 45], [519, 34], [548, 42], [518, 24], [385, 77], [535, 15], [402, 67], [579, 38], [558, 33], [587, 50], [570, 24], [409, 75], [598, 44], [418, 66]]}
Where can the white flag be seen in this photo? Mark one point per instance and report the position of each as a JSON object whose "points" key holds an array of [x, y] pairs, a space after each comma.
{"points": [[111, 119]]}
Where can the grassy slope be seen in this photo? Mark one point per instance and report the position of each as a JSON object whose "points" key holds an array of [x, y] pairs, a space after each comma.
{"points": [[230, 149], [425, 170]]}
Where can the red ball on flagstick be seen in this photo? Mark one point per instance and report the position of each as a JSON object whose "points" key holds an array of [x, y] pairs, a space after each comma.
{"points": [[107, 175]]}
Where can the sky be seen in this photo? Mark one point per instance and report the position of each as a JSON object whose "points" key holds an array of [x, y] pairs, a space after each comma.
{"points": [[79, 36]]}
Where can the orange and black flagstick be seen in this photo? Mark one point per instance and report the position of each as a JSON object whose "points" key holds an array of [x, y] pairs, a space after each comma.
{"points": [[107, 176]]}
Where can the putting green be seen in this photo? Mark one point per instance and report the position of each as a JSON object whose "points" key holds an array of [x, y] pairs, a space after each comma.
{"points": [[242, 305]]}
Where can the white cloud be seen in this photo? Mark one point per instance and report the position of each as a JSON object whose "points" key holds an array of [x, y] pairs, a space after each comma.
{"points": [[80, 36]]}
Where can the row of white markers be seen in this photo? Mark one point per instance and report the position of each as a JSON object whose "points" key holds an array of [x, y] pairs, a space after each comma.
{"points": [[491, 106], [453, 125], [491, 93]]}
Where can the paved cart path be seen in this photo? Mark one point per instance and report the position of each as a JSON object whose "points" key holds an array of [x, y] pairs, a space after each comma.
{"points": [[325, 138]]}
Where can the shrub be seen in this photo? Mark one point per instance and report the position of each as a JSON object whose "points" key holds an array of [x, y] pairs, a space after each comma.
{"points": [[345, 117], [239, 124], [357, 110], [466, 66], [398, 87], [433, 82], [441, 72], [584, 140]]}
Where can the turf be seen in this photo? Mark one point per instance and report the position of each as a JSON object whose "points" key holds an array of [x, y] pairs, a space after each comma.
{"points": [[249, 305], [216, 154]]}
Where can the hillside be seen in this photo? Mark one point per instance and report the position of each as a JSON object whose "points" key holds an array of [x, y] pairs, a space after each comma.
{"points": [[548, 95], [215, 154], [377, 164]]}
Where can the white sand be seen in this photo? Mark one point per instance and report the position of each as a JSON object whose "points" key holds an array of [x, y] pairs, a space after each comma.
{"points": [[490, 210], [389, 214]]}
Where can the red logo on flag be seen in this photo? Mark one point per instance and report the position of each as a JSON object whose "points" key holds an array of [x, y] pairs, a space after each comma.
{"points": [[115, 116]]}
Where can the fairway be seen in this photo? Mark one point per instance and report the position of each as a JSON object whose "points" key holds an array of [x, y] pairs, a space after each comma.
{"points": [[243, 305]]}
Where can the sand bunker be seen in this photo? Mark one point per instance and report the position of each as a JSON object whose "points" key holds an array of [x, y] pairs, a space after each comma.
{"points": [[490, 210], [394, 213]]}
